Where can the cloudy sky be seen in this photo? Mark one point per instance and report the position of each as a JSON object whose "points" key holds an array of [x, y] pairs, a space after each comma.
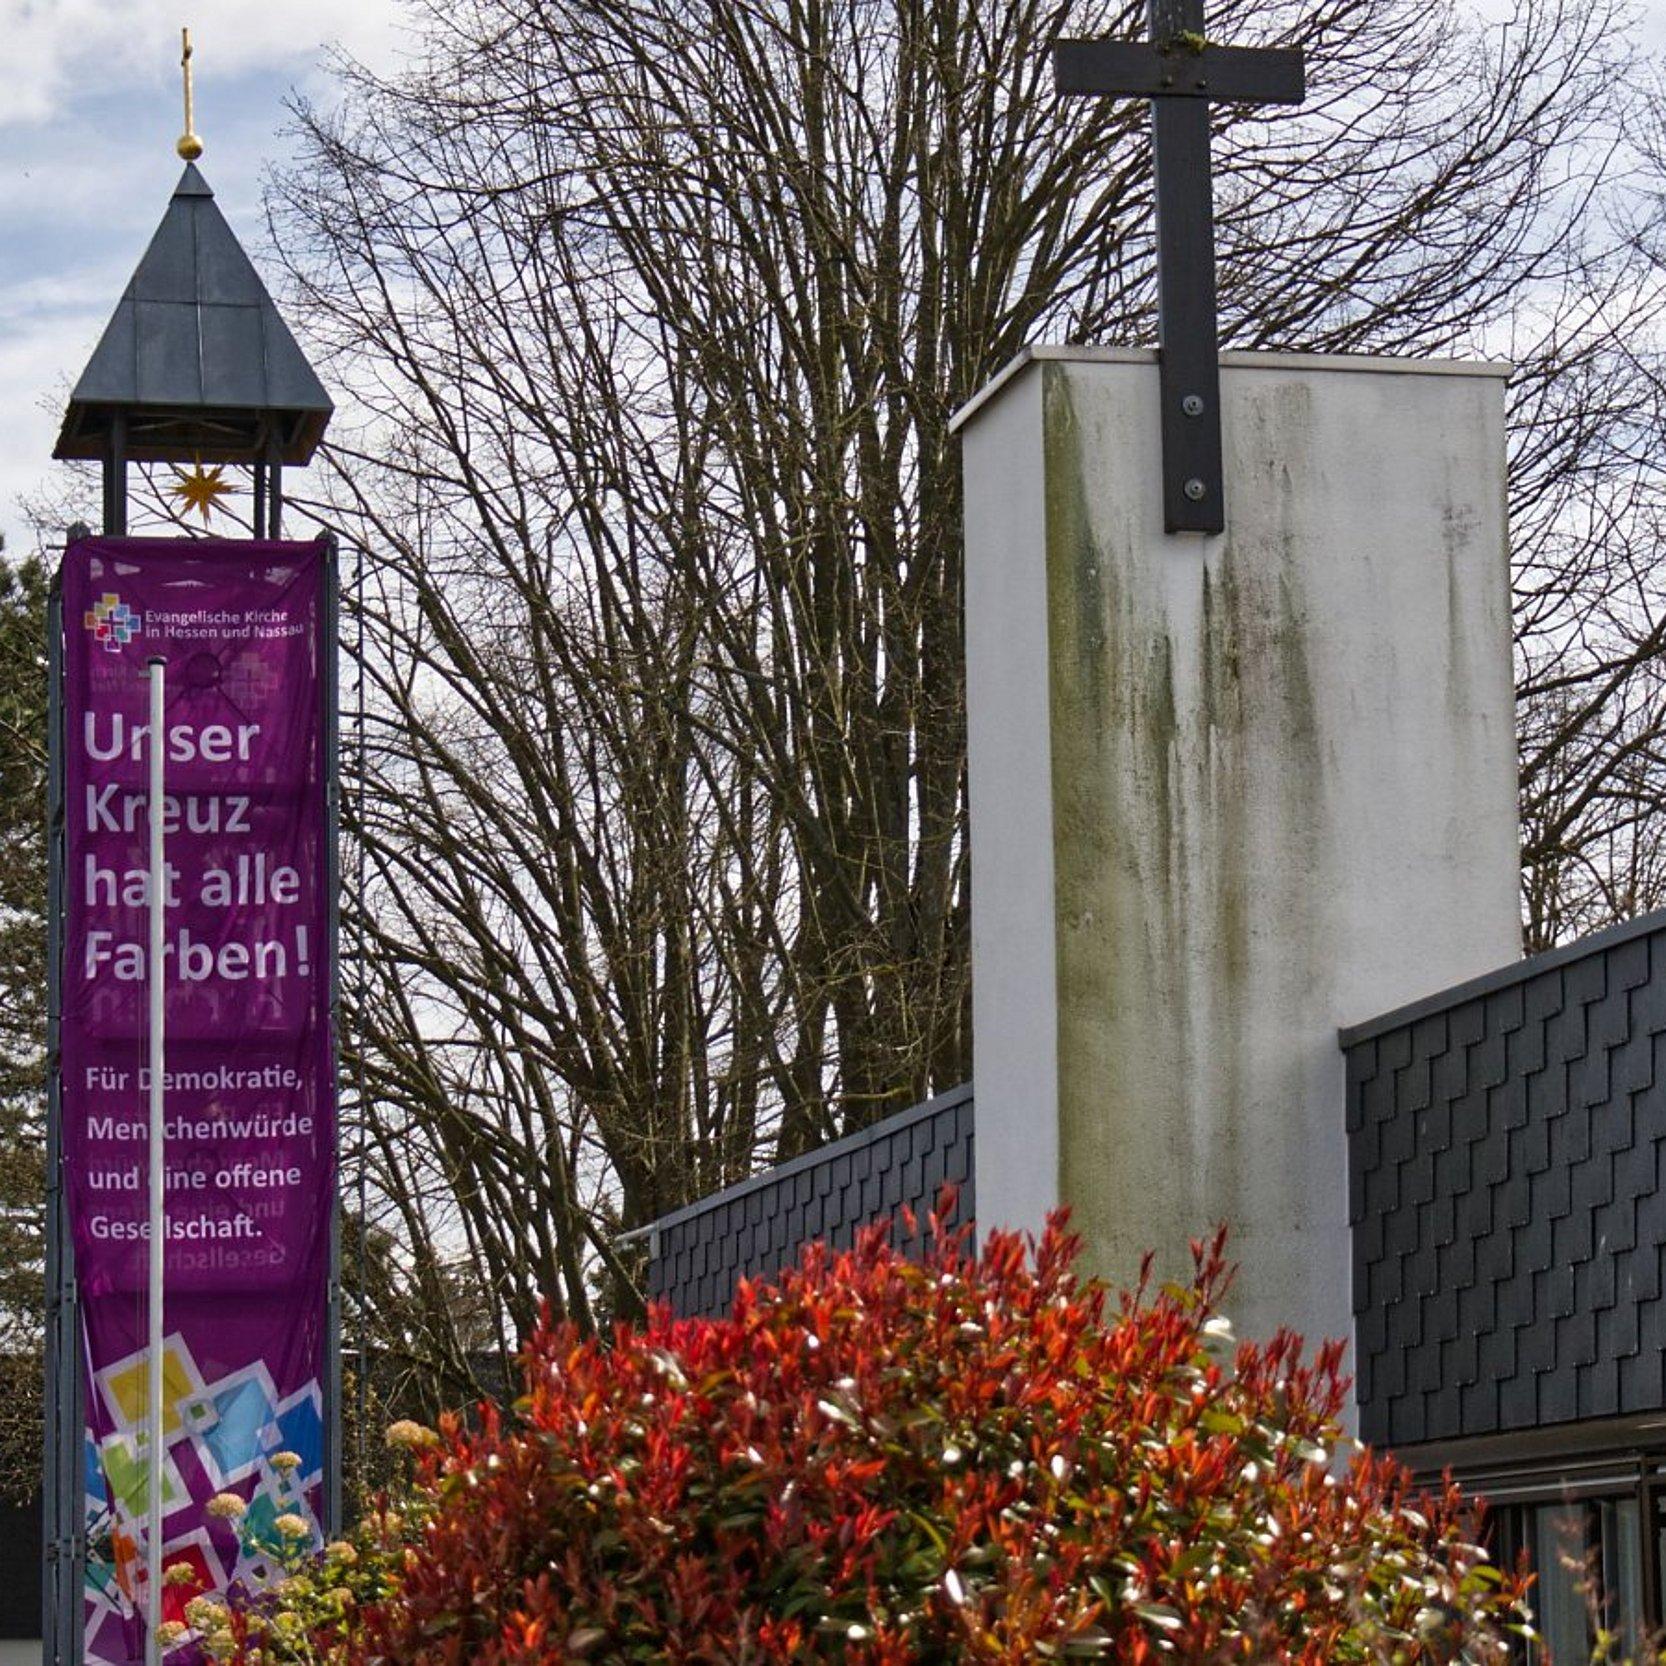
{"points": [[87, 164]]}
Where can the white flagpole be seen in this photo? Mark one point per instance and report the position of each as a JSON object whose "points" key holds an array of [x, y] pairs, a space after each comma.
{"points": [[157, 980]]}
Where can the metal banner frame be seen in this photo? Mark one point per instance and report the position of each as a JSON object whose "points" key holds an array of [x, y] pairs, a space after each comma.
{"points": [[63, 1460]]}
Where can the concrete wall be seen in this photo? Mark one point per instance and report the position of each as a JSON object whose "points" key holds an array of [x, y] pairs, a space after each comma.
{"points": [[1228, 794]]}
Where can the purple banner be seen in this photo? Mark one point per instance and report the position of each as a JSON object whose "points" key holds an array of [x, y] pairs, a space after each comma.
{"points": [[249, 1073]]}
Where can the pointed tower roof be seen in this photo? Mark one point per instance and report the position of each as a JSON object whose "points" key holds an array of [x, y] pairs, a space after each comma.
{"points": [[196, 356]]}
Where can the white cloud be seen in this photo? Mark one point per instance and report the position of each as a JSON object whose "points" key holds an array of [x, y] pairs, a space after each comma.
{"points": [[48, 327], [63, 45], [1647, 17]]}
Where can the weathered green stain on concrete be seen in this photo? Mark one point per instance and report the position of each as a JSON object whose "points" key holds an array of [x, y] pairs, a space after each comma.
{"points": [[1105, 726], [1227, 794], [1187, 778]]}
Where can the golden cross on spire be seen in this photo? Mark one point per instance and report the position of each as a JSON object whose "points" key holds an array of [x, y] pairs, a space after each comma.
{"points": [[189, 145]]}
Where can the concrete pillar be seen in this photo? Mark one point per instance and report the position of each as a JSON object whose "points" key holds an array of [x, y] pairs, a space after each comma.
{"points": [[1228, 794]]}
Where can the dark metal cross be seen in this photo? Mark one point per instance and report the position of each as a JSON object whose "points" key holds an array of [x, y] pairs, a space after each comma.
{"points": [[1182, 72]]}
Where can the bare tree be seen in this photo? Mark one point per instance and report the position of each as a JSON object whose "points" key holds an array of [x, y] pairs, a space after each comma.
{"points": [[654, 315], [1588, 515]]}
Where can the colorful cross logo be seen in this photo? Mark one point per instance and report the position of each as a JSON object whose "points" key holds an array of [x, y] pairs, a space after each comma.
{"points": [[113, 622]]}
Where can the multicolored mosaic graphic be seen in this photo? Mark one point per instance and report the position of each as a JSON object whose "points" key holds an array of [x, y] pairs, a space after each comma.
{"points": [[219, 1436], [113, 623]]}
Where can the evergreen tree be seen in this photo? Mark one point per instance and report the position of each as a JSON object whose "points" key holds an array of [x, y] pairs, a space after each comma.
{"points": [[22, 1017]]}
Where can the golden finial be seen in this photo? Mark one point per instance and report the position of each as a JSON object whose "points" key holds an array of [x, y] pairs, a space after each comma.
{"points": [[189, 146]]}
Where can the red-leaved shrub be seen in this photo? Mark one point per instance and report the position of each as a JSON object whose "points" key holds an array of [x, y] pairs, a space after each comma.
{"points": [[977, 1458]]}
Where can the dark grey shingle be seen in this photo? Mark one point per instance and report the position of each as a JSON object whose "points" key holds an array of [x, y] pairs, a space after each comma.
{"points": [[763, 1224], [196, 354], [1506, 1197]]}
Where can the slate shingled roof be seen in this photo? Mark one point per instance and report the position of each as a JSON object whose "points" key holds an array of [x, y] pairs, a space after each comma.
{"points": [[1505, 1196], [196, 355], [698, 1254]]}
